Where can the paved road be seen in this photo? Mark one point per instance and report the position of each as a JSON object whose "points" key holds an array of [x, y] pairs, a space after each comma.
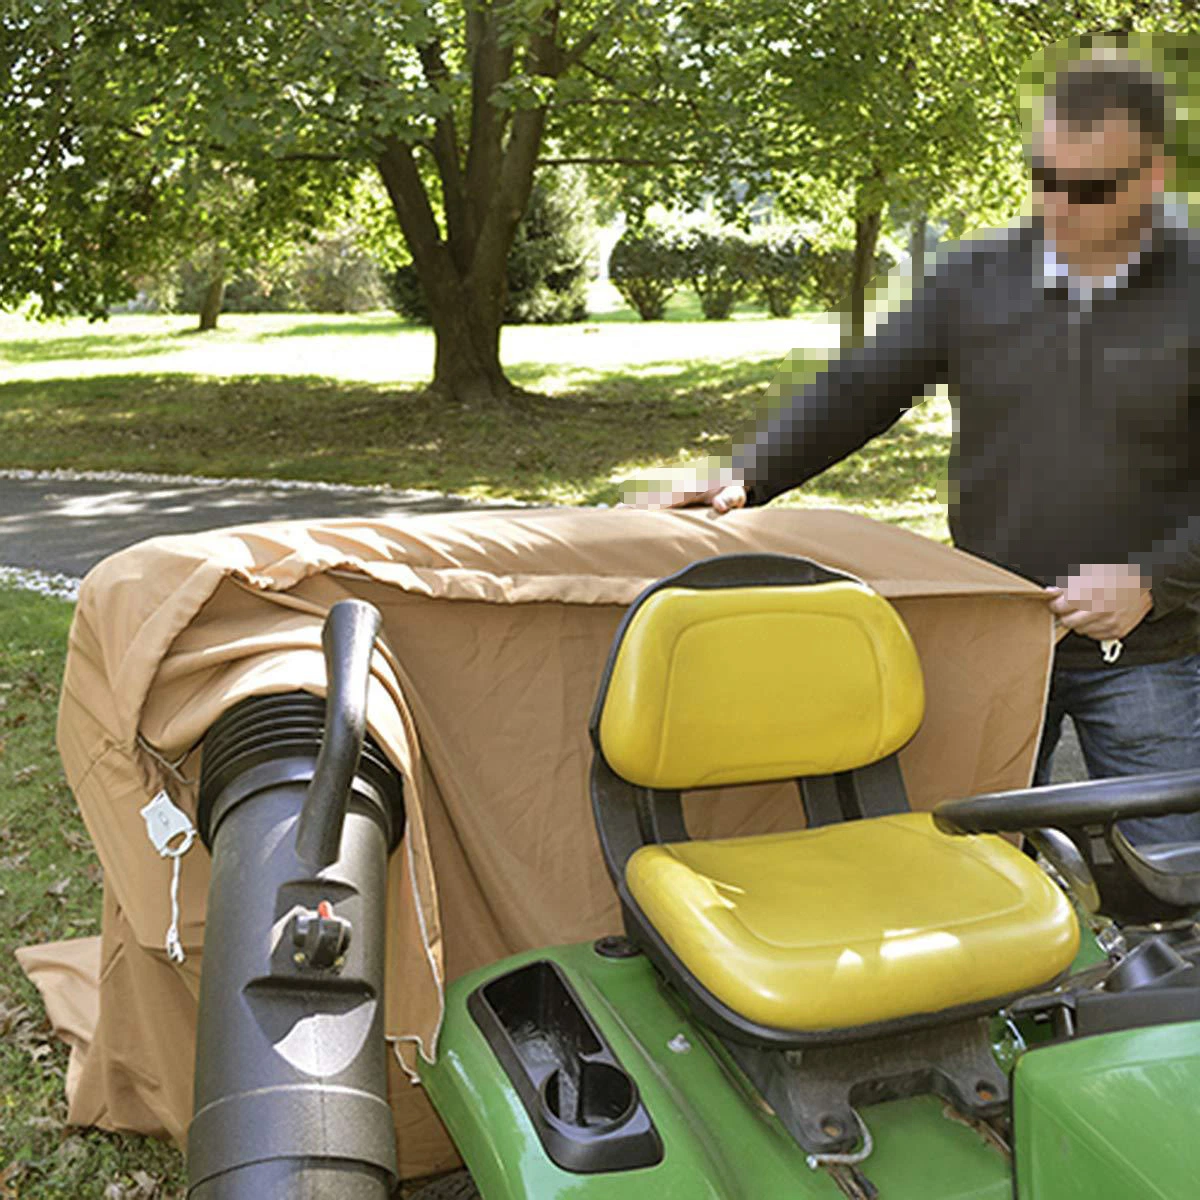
{"points": [[65, 525]]}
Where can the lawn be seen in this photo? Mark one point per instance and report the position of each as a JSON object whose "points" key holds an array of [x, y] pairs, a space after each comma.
{"points": [[339, 399], [49, 890]]}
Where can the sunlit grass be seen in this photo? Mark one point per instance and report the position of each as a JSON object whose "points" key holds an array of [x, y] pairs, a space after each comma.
{"points": [[340, 399]]}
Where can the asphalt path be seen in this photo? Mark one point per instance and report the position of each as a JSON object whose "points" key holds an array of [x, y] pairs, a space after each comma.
{"points": [[65, 523]]}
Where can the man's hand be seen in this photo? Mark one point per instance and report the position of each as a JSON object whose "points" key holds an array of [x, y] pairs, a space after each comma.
{"points": [[1101, 602], [721, 497]]}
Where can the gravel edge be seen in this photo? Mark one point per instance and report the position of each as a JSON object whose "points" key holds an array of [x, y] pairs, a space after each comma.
{"points": [[68, 475], [61, 587]]}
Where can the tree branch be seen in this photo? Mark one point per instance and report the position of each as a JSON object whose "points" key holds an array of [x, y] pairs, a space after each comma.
{"points": [[411, 203], [490, 65], [595, 161], [569, 58], [444, 148], [223, 150]]}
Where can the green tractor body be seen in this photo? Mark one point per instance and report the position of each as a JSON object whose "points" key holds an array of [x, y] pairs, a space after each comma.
{"points": [[1106, 1116]]}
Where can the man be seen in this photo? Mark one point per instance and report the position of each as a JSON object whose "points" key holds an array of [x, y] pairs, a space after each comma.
{"points": [[1069, 346]]}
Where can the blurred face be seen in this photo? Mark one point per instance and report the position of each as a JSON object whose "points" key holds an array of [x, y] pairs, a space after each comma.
{"points": [[1094, 188]]}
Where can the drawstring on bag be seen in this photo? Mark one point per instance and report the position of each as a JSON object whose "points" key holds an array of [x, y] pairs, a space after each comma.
{"points": [[164, 823]]}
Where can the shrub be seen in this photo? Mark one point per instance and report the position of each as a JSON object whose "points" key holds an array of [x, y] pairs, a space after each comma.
{"points": [[333, 274], [779, 264], [330, 273], [718, 267], [407, 296], [647, 267], [831, 271], [548, 265], [258, 289]]}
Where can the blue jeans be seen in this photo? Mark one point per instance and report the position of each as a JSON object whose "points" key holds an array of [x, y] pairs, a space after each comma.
{"points": [[1131, 721]]}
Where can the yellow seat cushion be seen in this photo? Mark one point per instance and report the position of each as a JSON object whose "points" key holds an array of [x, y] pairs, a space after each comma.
{"points": [[850, 924]]}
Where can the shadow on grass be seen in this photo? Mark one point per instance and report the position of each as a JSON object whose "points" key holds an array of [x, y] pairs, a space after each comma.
{"points": [[20, 351], [562, 448], [341, 327]]}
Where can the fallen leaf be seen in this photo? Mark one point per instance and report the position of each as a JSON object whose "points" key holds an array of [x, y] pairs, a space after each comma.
{"points": [[11, 1015], [59, 890], [77, 839], [142, 1186], [8, 1180]]}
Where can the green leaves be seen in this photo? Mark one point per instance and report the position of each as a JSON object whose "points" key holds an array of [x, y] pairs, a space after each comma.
{"points": [[130, 129]]}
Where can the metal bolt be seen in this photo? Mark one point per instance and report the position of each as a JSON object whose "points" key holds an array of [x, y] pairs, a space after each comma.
{"points": [[679, 1044], [299, 959]]}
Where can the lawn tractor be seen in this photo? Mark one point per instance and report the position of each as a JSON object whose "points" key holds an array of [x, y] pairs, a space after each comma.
{"points": [[884, 1003]]}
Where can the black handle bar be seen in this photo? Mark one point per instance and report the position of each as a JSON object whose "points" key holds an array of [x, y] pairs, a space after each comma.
{"points": [[348, 639]]}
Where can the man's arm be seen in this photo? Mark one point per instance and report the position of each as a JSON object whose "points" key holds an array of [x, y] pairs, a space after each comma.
{"points": [[856, 396]]}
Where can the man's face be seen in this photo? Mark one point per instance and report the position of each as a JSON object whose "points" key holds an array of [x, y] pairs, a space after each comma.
{"points": [[1117, 175]]}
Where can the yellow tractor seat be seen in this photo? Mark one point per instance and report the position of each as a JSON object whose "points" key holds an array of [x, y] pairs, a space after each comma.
{"points": [[752, 668], [854, 924]]}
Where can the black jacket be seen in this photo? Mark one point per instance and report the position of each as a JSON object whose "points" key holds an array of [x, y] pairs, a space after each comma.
{"points": [[1076, 428]]}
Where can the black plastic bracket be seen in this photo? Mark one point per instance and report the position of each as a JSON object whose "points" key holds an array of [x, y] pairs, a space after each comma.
{"points": [[815, 1092]]}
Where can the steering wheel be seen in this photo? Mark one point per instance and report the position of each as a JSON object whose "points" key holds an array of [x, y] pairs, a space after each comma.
{"points": [[1072, 824]]}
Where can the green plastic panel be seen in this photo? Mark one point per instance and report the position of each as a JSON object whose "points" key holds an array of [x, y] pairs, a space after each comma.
{"points": [[720, 1142], [1115, 1117]]}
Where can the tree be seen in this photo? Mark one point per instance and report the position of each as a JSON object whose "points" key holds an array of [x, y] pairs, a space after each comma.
{"points": [[235, 221], [843, 108], [548, 262], [98, 193], [453, 105], [862, 103], [114, 105]]}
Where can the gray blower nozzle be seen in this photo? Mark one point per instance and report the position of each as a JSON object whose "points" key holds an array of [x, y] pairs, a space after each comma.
{"points": [[300, 810]]}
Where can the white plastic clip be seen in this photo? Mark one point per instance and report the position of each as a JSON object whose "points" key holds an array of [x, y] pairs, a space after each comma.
{"points": [[1110, 649], [167, 824]]}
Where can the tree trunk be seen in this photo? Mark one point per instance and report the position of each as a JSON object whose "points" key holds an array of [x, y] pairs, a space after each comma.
{"points": [[214, 296], [466, 364], [916, 247], [866, 237], [462, 261]]}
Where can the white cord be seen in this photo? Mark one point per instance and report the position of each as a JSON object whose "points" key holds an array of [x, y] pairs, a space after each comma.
{"points": [[174, 946]]}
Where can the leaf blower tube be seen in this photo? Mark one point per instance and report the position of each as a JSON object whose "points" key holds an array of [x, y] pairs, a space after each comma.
{"points": [[300, 810]]}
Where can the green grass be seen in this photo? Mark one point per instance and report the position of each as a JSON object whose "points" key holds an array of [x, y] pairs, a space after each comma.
{"points": [[339, 399], [49, 890]]}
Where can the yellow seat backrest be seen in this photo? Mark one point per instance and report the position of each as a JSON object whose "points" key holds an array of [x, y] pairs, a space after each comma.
{"points": [[729, 685]]}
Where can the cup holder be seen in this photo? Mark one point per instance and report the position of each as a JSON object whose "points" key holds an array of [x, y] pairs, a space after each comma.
{"points": [[601, 1096], [582, 1102]]}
